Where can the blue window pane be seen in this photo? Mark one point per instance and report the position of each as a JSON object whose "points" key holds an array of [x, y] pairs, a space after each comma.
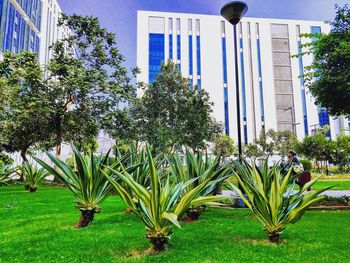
{"points": [[227, 121], [224, 66], [190, 51], [22, 35], [32, 41], [16, 34], [156, 55], [303, 96], [244, 104], [261, 90], [316, 30], [178, 55], [224, 59], [199, 71], [324, 118], [199, 84], [9, 34], [1, 6], [37, 45], [171, 46]]}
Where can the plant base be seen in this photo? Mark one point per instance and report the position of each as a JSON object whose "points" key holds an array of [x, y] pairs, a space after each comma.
{"points": [[86, 218], [128, 211], [30, 188], [159, 244], [193, 214], [275, 238]]}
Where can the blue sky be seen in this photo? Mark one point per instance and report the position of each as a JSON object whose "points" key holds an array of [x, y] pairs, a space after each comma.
{"points": [[119, 16]]}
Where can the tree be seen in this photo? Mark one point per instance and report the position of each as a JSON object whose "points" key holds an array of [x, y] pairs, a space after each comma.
{"points": [[23, 117], [253, 151], [86, 81], [224, 146], [318, 147], [284, 141], [170, 114], [341, 153], [330, 71]]}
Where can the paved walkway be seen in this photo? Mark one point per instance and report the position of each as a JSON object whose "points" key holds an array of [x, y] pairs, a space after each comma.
{"points": [[332, 193]]}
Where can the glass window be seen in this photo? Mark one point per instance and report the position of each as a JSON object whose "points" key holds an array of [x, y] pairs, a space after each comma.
{"points": [[223, 30], [282, 72], [280, 44], [198, 26], [279, 30], [156, 55], [283, 86], [281, 58], [190, 26]]}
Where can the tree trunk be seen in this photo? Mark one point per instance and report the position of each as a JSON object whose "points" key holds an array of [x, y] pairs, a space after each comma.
{"points": [[25, 160], [87, 216], [58, 152], [159, 244], [275, 238]]}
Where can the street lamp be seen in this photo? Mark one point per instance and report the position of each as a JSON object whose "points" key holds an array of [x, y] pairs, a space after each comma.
{"points": [[233, 12]]}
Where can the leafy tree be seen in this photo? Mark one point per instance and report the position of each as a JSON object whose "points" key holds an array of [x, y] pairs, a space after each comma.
{"points": [[170, 114], [86, 81], [23, 117], [253, 151], [318, 147], [224, 146], [341, 152], [284, 142], [330, 71]]}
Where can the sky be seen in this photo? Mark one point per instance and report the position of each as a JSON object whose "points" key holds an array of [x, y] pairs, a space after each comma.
{"points": [[120, 16]]}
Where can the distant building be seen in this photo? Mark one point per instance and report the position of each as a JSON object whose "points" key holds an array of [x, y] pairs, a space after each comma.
{"points": [[30, 25], [272, 94]]}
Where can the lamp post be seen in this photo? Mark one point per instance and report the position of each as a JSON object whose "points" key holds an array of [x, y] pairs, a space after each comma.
{"points": [[233, 13]]}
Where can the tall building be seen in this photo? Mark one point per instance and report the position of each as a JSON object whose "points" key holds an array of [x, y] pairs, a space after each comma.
{"points": [[273, 96], [30, 25]]}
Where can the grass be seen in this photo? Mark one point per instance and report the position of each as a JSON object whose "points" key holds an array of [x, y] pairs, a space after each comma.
{"points": [[39, 227], [338, 184], [323, 183]]}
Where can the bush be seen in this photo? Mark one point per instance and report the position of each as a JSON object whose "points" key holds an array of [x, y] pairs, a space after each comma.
{"points": [[5, 159], [306, 164], [32, 175]]}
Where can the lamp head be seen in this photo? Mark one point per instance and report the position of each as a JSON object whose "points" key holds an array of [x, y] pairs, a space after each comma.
{"points": [[234, 11]]}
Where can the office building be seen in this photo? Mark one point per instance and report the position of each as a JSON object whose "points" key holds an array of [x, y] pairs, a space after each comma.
{"points": [[273, 96]]}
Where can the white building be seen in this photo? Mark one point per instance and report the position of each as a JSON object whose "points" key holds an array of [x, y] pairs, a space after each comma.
{"points": [[272, 94], [30, 25]]}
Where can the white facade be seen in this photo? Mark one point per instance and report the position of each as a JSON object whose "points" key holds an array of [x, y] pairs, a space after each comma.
{"points": [[273, 90]]}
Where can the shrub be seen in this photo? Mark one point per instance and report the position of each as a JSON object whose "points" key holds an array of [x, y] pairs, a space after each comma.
{"points": [[269, 195], [306, 164], [5, 172], [88, 184], [32, 176], [196, 168], [159, 206]]}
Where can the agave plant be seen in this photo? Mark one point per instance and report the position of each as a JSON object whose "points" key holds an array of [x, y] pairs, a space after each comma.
{"points": [[269, 195], [139, 169], [32, 175], [5, 172], [87, 183], [201, 168], [159, 206]]}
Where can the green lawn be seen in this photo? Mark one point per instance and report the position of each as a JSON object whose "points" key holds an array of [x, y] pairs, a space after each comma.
{"points": [[338, 184], [39, 227]]}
